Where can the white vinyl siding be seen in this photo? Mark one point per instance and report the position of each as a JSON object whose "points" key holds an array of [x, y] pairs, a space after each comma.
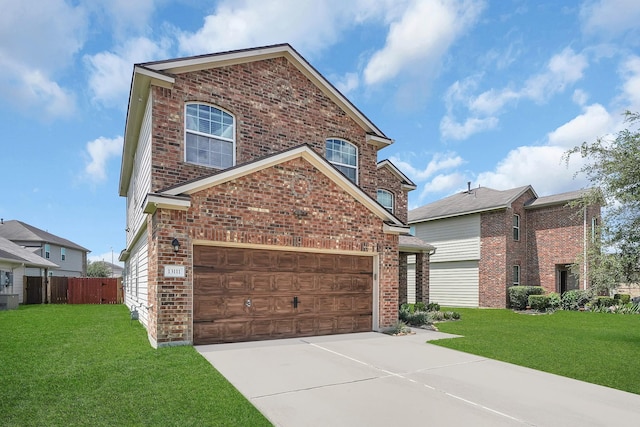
{"points": [[136, 285], [454, 284], [411, 279], [140, 183], [457, 239]]}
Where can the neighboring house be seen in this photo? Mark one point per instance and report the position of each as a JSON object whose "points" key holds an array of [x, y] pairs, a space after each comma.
{"points": [[15, 262], [488, 240], [70, 257], [256, 206]]}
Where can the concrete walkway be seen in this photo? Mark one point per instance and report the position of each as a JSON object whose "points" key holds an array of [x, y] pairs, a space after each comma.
{"points": [[372, 379]]}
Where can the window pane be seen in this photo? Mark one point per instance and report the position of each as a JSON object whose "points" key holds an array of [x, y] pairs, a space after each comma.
{"points": [[209, 150]]}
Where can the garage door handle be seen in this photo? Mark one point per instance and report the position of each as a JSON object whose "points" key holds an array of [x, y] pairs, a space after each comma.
{"points": [[295, 302]]}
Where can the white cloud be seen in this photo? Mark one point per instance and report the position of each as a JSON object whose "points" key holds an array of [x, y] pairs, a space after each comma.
{"points": [[443, 183], [610, 18], [588, 126], [630, 71], [540, 166], [125, 16], [451, 129], [421, 36], [110, 72], [308, 26], [562, 70], [348, 83], [36, 43], [100, 151], [439, 162]]}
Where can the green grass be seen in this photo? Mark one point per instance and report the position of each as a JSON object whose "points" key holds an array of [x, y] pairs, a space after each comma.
{"points": [[599, 348], [65, 365]]}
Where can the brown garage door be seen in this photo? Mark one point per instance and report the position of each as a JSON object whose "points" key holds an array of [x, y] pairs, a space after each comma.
{"points": [[250, 294]]}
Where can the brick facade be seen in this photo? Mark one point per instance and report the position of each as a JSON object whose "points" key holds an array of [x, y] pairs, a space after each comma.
{"points": [[390, 182], [550, 236], [288, 205], [275, 107]]}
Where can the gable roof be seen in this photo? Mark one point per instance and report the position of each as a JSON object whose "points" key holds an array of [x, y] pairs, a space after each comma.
{"points": [[177, 197], [13, 253], [476, 200], [161, 73], [407, 184], [557, 199], [22, 232], [414, 244]]}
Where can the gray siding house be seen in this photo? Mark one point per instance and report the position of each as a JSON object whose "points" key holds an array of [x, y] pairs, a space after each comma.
{"points": [[70, 257]]}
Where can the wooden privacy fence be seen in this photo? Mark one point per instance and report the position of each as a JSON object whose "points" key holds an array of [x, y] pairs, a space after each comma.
{"points": [[85, 290]]}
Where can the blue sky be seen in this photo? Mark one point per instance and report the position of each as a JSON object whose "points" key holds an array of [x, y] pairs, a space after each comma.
{"points": [[492, 92]]}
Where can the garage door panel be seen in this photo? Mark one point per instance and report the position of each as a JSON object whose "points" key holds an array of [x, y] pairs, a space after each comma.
{"points": [[306, 283], [234, 282], [207, 307], [284, 282], [261, 282], [334, 294]]}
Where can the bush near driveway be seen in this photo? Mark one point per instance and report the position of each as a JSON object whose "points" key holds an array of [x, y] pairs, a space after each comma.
{"points": [[89, 365], [596, 347]]}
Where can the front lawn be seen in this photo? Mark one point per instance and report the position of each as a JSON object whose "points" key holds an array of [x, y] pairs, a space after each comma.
{"points": [[599, 348], [64, 365]]}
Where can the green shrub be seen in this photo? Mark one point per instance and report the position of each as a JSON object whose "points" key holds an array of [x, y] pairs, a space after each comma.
{"points": [[519, 295], [603, 301], [419, 306], [398, 328], [408, 308], [622, 298], [554, 301], [538, 302], [436, 316], [433, 306], [573, 300], [629, 308]]}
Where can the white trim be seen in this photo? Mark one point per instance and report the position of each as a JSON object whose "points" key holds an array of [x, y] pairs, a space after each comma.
{"points": [[158, 79], [157, 201], [398, 173], [393, 199], [395, 229], [379, 141]]}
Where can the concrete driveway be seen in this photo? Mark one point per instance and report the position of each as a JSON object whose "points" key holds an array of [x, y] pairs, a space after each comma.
{"points": [[372, 379]]}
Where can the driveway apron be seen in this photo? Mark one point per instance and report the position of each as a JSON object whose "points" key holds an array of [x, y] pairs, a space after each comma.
{"points": [[373, 379]]}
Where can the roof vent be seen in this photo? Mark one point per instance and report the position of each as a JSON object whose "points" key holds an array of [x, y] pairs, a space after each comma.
{"points": [[468, 186]]}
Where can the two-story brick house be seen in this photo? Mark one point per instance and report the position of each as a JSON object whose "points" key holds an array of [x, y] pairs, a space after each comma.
{"points": [[488, 240], [256, 205]]}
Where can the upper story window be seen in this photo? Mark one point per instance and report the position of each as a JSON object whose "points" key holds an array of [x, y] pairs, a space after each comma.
{"points": [[594, 229], [209, 136], [516, 275], [385, 198], [516, 227], [344, 156], [63, 254], [47, 251]]}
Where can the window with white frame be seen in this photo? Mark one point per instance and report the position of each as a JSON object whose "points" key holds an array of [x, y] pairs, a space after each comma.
{"points": [[344, 156], [594, 229], [63, 254], [385, 198], [516, 275], [516, 227], [47, 251], [209, 136]]}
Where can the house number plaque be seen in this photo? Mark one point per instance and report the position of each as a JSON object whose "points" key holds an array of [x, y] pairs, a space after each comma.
{"points": [[174, 271]]}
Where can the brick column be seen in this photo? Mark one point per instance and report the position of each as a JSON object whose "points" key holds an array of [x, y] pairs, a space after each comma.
{"points": [[402, 282], [422, 277]]}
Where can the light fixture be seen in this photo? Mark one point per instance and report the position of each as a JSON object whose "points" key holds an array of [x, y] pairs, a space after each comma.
{"points": [[176, 245]]}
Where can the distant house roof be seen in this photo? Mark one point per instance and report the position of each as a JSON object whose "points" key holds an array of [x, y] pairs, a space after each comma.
{"points": [[13, 253], [557, 199], [476, 200], [19, 231]]}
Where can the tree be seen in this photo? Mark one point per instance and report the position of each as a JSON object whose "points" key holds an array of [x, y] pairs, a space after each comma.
{"points": [[613, 167], [98, 269]]}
